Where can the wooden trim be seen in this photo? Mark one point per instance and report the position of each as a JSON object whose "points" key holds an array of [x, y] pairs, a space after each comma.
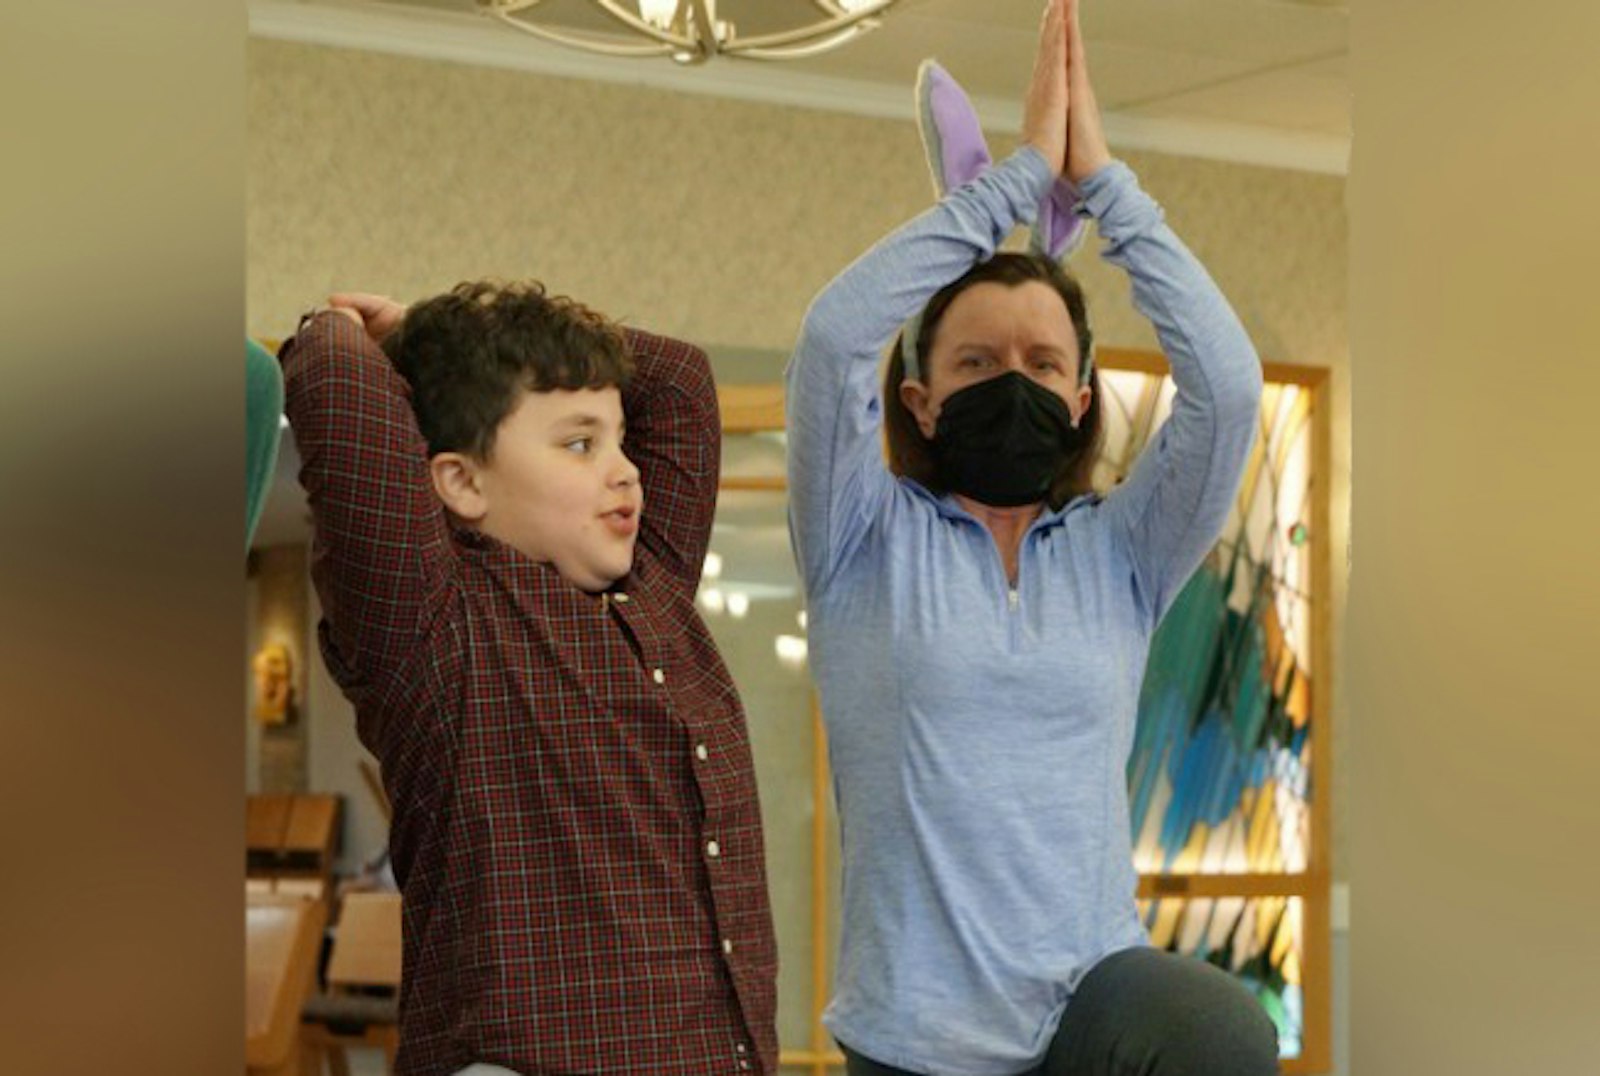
{"points": [[750, 408], [819, 1060], [1316, 926], [821, 790], [1142, 362], [759, 483], [1191, 886], [1154, 362]]}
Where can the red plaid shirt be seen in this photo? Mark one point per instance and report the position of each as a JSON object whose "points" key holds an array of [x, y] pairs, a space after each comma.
{"points": [[576, 830]]}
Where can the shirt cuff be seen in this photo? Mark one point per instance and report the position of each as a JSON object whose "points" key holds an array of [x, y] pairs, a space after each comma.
{"points": [[1035, 170], [1113, 197]]}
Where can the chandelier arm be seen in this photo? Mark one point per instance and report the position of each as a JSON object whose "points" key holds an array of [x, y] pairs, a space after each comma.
{"points": [[800, 51], [834, 7], [703, 20], [572, 40], [804, 34]]}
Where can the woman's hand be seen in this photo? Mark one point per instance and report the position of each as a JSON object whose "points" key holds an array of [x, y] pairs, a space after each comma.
{"points": [[1045, 110], [1087, 151], [378, 314]]}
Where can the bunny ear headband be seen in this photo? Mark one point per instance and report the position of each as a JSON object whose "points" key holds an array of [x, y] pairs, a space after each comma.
{"points": [[952, 137]]}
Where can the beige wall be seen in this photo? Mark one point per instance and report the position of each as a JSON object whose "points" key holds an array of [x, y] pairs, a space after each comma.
{"points": [[1473, 627], [710, 218]]}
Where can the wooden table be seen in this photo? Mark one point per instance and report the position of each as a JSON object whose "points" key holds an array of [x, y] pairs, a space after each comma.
{"points": [[283, 938]]}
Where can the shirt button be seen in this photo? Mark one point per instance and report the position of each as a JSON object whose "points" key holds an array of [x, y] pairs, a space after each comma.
{"points": [[658, 675], [620, 598], [700, 752], [727, 947], [744, 1066], [713, 849], [738, 1047]]}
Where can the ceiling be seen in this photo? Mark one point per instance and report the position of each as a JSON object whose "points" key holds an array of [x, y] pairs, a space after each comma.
{"points": [[1260, 81]]}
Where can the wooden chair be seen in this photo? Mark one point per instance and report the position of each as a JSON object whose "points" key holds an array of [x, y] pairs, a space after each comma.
{"points": [[292, 837], [283, 940], [360, 1006]]}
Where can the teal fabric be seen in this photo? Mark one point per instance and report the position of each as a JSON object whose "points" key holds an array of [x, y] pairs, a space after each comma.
{"points": [[263, 407]]}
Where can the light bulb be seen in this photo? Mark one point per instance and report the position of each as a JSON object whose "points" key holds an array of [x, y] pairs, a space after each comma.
{"points": [[791, 650], [658, 13]]}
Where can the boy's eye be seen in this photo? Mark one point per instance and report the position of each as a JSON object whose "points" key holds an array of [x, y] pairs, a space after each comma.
{"points": [[580, 445]]}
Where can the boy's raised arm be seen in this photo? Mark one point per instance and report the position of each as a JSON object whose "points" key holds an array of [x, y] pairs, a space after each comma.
{"points": [[675, 439], [381, 557]]}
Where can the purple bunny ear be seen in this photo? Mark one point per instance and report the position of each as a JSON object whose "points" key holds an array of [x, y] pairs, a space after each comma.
{"points": [[957, 153], [951, 133], [1058, 230]]}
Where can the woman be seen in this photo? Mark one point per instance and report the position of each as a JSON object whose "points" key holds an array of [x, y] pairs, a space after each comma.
{"points": [[980, 619]]}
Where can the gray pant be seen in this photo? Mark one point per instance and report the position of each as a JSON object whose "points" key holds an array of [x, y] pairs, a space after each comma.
{"points": [[1143, 1012]]}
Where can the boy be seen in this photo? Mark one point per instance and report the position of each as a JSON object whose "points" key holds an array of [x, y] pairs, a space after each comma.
{"points": [[576, 830]]}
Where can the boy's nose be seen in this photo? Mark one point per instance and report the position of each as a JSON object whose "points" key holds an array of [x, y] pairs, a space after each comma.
{"points": [[626, 473]]}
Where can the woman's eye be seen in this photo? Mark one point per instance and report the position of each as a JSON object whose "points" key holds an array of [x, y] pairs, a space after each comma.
{"points": [[971, 362]]}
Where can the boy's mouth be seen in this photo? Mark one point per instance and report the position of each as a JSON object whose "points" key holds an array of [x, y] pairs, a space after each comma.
{"points": [[623, 521]]}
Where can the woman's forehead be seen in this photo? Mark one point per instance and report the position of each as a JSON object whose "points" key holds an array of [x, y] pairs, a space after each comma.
{"points": [[1032, 310]]}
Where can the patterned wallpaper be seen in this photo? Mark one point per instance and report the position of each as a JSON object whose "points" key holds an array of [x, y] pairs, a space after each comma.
{"points": [[708, 218]]}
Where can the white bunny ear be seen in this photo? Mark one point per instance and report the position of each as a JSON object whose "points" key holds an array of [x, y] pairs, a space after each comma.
{"points": [[952, 137]]}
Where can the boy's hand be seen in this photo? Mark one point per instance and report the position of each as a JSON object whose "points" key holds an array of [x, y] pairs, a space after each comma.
{"points": [[1045, 111], [1087, 151], [347, 312], [378, 314]]}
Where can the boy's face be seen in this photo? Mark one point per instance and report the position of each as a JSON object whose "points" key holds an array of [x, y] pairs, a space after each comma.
{"points": [[558, 488]]}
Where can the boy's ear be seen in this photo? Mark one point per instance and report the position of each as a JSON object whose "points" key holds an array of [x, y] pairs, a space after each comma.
{"points": [[459, 484]]}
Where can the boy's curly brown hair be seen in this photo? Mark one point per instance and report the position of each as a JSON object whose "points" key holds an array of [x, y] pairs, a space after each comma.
{"points": [[469, 353]]}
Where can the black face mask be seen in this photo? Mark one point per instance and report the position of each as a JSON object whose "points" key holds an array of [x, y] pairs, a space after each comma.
{"points": [[1001, 441]]}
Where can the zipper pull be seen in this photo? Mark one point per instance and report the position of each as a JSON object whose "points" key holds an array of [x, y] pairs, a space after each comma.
{"points": [[1012, 599]]}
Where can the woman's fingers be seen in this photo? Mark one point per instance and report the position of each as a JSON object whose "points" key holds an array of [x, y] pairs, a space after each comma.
{"points": [[1087, 151], [1044, 120]]}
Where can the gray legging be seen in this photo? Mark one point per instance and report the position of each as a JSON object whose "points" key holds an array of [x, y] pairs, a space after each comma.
{"points": [[1143, 1012]]}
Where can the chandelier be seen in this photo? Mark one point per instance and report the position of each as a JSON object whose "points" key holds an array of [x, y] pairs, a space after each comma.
{"points": [[690, 32]]}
